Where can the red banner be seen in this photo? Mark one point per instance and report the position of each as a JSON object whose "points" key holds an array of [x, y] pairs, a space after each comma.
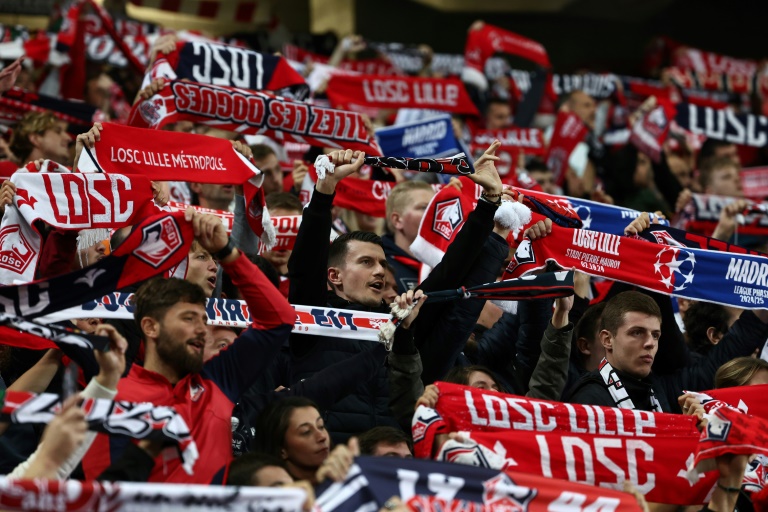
{"points": [[568, 131], [447, 94], [166, 156], [514, 141], [586, 444]]}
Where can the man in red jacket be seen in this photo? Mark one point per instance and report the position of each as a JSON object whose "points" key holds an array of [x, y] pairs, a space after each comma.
{"points": [[171, 315]]}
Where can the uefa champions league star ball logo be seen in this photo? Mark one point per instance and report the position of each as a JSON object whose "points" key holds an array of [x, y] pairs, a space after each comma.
{"points": [[675, 266], [585, 214]]}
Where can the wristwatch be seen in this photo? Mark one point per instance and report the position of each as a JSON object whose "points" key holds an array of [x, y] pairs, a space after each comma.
{"points": [[224, 251]]}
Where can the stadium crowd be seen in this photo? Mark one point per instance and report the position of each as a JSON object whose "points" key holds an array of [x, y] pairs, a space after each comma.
{"points": [[289, 305]]}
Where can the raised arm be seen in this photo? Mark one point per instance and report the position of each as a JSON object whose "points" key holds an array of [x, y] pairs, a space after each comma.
{"points": [[308, 265], [235, 369]]}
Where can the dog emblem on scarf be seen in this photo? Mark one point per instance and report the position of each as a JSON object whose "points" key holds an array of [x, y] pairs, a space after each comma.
{"points": [[448, 217], [15, 252], [717, 428], [502, 493], [524, 253], [159, 241]]}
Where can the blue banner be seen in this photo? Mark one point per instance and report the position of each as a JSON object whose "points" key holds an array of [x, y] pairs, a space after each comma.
{"points": [[432, 137], [607, 218]]}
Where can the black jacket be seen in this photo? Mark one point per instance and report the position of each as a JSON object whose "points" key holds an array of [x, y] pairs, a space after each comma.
{"points": [[368, 405], [591, 390], [743, 338]]}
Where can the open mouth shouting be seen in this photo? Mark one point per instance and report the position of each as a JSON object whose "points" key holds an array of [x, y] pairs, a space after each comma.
{"points": [[197, 344], [377, 285]]}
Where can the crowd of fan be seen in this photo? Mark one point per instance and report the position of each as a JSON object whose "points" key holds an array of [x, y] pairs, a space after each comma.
{"points": [[270, 407]]}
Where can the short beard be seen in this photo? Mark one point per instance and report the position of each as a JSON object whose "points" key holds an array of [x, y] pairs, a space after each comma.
{"points": [[176, 355]]}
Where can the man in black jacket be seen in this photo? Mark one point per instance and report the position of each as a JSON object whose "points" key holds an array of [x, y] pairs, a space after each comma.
{"points": [[354, 266], [630, 328]]}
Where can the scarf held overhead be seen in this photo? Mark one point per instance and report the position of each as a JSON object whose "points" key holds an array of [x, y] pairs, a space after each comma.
{"points": [[738, 280], [167, 156], [445, 94], [65, 201], [253, 113], [207, 62]]}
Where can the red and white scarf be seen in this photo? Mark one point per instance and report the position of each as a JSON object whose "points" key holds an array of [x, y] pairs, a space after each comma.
{"points": [[253, 113], [687, 57], [65, 201], [736, 83], [442, 220], [57, 495], [579, 443], [168, 156], [514, 141], [445, 94], [650, 131], [568, 131], [135, 420], [755, 181], [487, 40]]}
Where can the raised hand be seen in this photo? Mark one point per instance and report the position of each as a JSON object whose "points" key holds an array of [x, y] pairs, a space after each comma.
{"points": [[408, 298], [300, 170], [209, 232], [243, 149], [9, 74], [153, 88], [539, 230], [337, 465], [486, 174], [87, 139], [429, 397], [112, 361], [346, 162]]}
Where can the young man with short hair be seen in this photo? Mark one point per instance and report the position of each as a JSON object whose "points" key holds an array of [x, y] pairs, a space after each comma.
{"points": [[630, 327], [720, 176], [41, 135], [385, 442], [406, 205]]}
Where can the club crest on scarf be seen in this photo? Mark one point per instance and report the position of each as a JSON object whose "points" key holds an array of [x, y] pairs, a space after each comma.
{"points": [[448, 218], [524, 253], [717, 428], [159, 241], [675, 266], [15, 252], [501, 493], [153, 111]]}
